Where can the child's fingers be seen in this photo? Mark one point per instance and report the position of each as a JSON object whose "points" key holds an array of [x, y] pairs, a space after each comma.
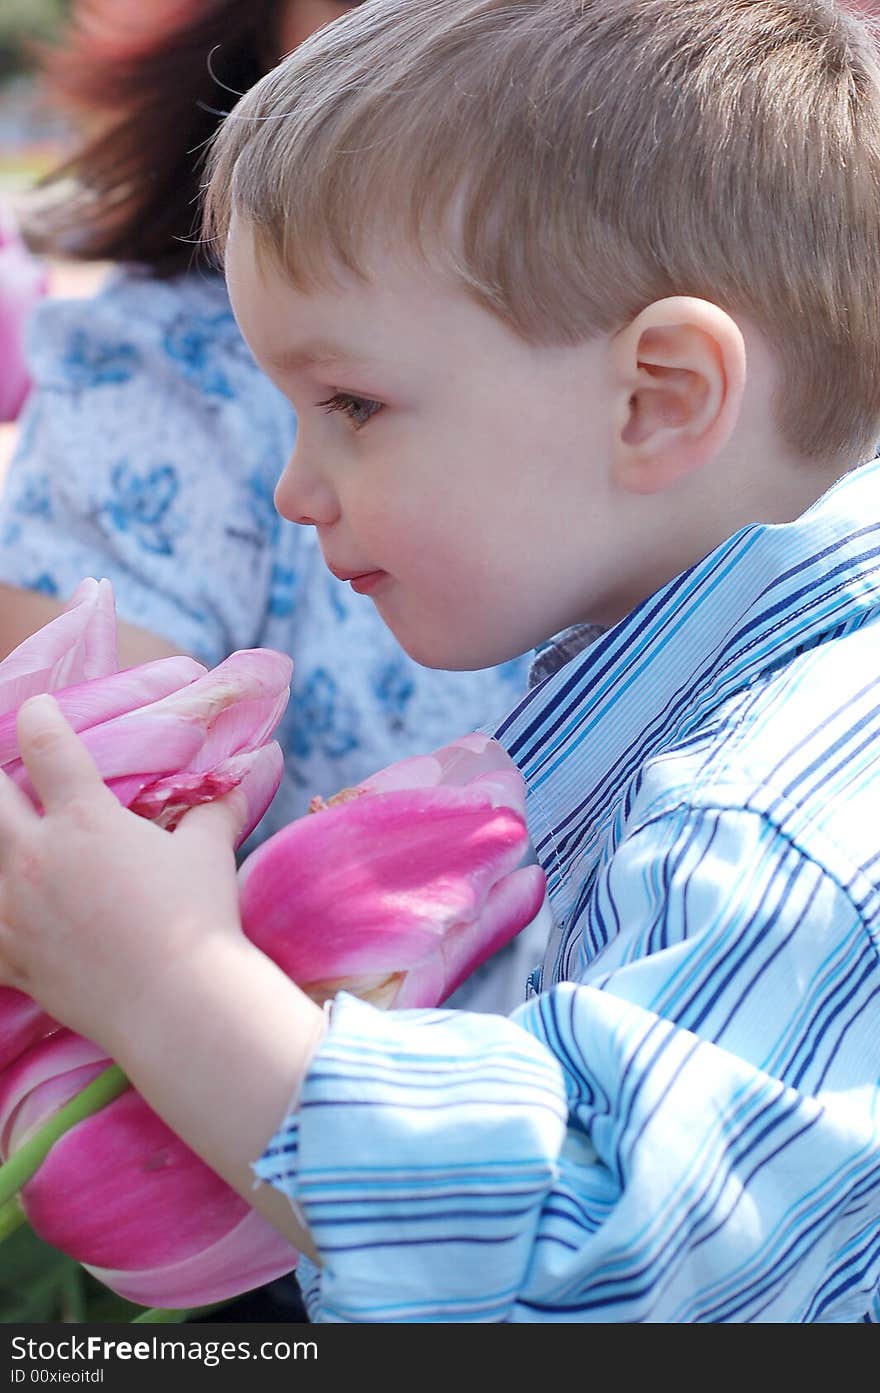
{"points": [[16, 811], [221, 819], [60, 767]]}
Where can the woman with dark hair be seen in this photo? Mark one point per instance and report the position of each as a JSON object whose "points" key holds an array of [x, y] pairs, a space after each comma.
{"points": [[151, 443]]}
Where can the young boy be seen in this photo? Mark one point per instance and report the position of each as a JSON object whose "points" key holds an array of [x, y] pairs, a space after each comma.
{"points": [[598, 342]]}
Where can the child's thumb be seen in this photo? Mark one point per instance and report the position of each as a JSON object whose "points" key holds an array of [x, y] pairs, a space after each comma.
{"points": [[236, 814]]}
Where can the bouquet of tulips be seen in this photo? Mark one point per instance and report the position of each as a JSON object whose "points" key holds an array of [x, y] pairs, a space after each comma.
{"points": [[395, 890]]}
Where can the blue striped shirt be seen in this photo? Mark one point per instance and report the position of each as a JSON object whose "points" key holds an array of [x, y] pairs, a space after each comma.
{"points": [[683, 1123]]}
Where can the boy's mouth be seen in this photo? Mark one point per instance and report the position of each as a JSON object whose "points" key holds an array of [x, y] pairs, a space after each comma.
{"points": [[360, 581]]}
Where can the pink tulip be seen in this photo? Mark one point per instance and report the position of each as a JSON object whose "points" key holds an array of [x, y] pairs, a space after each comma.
{"points": [[166, 735], [23, 281], [124, 1196], [119, 1192], [399, 889], [396, 890], [22, 1022]]}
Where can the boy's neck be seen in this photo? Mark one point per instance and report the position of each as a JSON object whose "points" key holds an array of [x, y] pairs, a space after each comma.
{"points": [[755, 480]]}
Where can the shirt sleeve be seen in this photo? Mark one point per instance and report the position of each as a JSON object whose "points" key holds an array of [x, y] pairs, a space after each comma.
{"points": [[689, 1132], [148, 453]]}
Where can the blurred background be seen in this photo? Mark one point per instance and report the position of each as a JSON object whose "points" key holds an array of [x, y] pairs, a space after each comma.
{"points": [[36, 1282], [32, 136], [29, 134]]}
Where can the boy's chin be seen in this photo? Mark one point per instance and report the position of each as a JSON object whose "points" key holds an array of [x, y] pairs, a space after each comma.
{"points": [[457, 653]]}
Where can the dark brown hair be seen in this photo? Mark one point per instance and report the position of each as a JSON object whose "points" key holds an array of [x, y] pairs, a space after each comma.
{"points": [[149, 82]]}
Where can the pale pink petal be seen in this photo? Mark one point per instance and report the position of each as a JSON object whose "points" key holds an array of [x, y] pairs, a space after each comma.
{"points": [[249, 675], [261, 777], [100, 655], [244, 726], [91, 703], [80, 644], [257, 773], [421, 771], [136, 748], [250, 1255], [369, 886], [473, 759]]}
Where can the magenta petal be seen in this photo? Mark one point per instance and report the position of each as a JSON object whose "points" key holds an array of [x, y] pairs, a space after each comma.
{"points": [[370, 886], [140, 1197], [41, 1080], [80, 644], [251, 1254], [22, 1023], [91, 703], [512, 904]]}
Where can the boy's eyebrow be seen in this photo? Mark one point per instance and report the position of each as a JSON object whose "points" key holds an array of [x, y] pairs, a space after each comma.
{"points": [[309, 354]]}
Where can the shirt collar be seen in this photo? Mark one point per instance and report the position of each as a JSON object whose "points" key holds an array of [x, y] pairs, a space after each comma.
{"points": [[752, 604]]}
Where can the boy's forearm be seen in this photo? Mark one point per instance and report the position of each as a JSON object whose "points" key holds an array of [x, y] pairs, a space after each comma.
{"points": [[239, 1058]]}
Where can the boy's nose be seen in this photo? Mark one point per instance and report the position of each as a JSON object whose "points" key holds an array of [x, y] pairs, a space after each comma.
{"points": [[302, 496]]}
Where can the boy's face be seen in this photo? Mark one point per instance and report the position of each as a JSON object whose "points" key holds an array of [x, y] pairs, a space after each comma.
{"points": [[459, 471]]}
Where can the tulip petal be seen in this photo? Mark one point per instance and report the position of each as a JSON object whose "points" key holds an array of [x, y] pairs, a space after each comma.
{"points": [[141, 1197], [80, 644], [261, 778], [513, 905], [370, 886], [121, 1190], [251, 674], [136, 748], [244, 726], [466, 760], [257, 773], [91, 703], [250, 1255], [22, 1024], [56, 1057]]}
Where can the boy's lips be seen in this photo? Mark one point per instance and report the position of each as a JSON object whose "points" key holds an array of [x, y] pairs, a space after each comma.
{"points": [[361, 581]]}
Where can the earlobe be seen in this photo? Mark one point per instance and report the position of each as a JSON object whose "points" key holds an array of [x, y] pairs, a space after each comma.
{"points": [[679, 374]]}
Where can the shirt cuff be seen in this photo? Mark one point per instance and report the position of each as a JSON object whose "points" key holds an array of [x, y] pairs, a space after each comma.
{"points": [[420, 1155]]}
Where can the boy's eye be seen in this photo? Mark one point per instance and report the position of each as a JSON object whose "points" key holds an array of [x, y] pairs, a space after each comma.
{"points": [[357, 409]]}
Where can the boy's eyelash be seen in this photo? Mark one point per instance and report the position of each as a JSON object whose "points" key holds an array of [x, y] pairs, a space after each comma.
{"points": [[357, 409]]}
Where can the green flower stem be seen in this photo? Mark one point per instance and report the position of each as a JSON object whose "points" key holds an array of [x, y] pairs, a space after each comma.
{"points": [[96, 1095], [11, 1218]]}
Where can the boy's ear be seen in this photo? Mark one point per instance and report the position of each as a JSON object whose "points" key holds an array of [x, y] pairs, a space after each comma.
{"points": [[679, 372]]}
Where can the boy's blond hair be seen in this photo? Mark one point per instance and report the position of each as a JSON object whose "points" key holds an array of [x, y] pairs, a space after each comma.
{"points": [[571, 161]]}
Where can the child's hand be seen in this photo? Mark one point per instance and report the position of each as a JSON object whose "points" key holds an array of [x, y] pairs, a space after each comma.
{"points": [[131, 936], [98, 906]]}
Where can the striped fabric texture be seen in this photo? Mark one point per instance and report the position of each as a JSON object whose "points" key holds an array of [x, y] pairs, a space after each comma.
{"points": [[682, 1122]]}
